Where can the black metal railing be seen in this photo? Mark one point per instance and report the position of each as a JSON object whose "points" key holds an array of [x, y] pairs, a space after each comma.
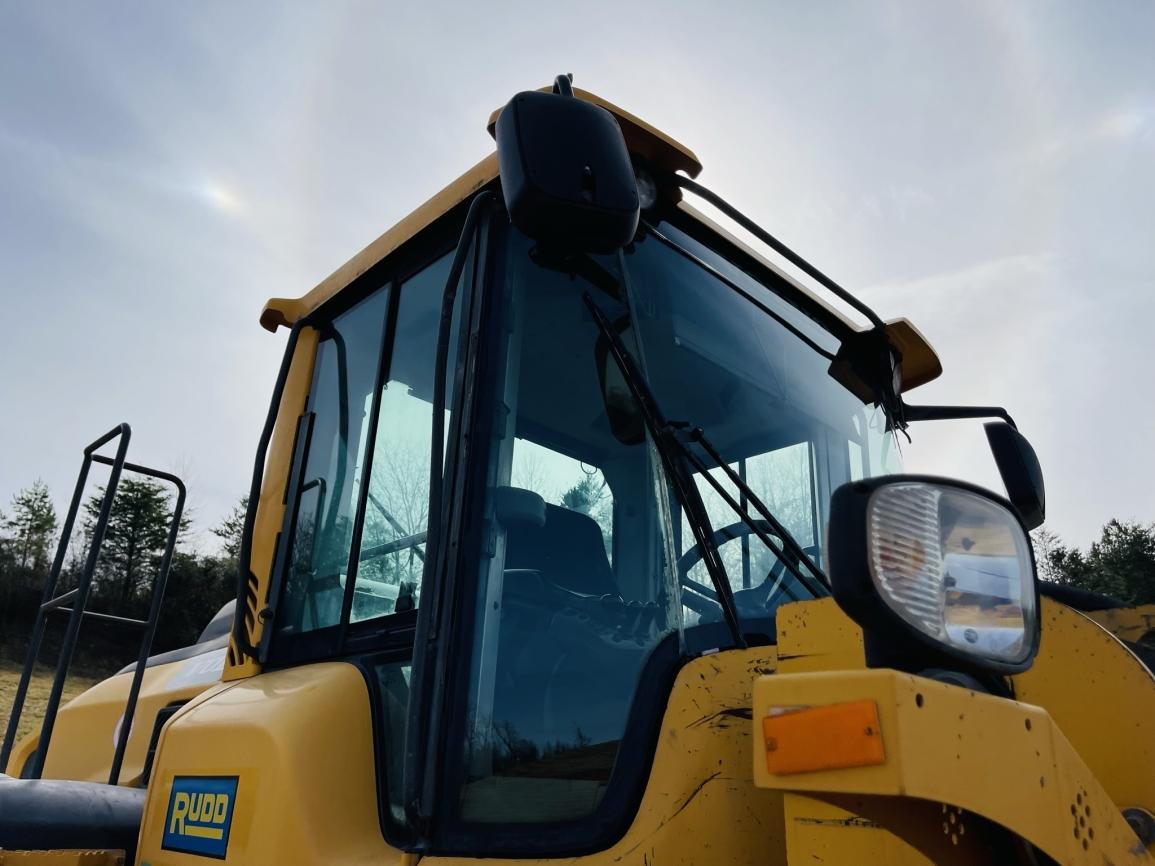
{"points": [[78, 599]]}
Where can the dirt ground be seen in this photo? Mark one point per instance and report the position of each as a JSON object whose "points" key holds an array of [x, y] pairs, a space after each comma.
{"points": [[37, 698]]}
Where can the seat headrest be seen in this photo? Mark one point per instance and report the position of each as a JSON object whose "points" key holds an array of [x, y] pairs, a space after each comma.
{"points": [[517, 507]]}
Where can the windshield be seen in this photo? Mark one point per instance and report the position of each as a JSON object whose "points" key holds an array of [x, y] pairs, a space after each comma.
{"points": [[724, 353], [589, 584]]}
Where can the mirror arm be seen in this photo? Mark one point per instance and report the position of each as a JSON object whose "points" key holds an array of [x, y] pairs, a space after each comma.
{"points": [[951, 413]]}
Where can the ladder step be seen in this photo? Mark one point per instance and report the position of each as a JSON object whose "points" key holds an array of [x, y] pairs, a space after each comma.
{"points": [[108, 617], [60, 600]]}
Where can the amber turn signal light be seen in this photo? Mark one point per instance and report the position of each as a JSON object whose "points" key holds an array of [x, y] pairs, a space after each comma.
{"points": [[831, 737]]}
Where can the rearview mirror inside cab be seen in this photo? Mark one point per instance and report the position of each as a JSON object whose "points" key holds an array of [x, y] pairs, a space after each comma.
{"points": [[622, 410]]}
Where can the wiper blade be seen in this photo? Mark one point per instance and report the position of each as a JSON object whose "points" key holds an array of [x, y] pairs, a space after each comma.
{"points": [[789, 552], [673, 454]]}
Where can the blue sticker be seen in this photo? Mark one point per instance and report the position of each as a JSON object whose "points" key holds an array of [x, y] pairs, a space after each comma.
{"points": [[200, 813]]}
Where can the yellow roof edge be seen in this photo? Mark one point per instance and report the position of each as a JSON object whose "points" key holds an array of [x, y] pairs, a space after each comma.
{"points": [[920, 362], [286, 311], [660, 150], [663, 152]]}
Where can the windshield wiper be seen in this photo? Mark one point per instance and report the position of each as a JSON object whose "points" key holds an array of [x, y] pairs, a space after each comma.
{"points": [[673, 455], [789, 552], [681, 435]]}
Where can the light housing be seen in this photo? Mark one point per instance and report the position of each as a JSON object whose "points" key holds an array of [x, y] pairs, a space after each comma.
{"points": [[931, 564]]}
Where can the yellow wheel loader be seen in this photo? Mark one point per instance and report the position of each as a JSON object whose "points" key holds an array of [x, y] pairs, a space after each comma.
{"points": [[578, 533]]}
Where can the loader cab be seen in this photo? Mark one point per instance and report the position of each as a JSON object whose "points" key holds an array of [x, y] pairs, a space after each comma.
{"points": [[520, 633]]}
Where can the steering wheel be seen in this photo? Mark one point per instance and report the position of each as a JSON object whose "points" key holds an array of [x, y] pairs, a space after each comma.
{"points": [[752, 602]]}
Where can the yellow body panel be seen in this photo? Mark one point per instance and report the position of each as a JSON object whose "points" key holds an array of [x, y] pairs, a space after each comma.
{"points": [[300, 742], [1136, 624], [1103, 699], [1003, 760], [1095, 690], [818, 636], [84, 738]]}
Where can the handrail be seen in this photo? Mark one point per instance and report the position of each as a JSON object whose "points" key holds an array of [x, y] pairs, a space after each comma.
{"points": [[78, 597], [124, 432]]}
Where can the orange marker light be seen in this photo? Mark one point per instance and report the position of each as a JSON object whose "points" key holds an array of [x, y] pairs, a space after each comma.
{"points": [[832, 737]]}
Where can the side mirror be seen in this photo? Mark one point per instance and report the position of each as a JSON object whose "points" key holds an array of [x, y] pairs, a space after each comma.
{"points": [[566, 173], [1019, 467], [1016, 459], [935, 570]]}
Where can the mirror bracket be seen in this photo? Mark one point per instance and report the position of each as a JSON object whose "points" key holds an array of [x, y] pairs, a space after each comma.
{"points": [[954, 413]]}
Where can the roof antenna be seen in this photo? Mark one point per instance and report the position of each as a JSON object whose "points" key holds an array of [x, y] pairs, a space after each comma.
{"points": [[563, 84]]}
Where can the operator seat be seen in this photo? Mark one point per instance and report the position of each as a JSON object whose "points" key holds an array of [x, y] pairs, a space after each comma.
{"points": [[565, 546], [540, 668]]}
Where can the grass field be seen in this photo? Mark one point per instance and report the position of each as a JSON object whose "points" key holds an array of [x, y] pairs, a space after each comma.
{"points": [[38, 691]]}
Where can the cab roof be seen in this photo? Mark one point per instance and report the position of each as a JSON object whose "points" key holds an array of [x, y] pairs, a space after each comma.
{"points": [[920, 363]]}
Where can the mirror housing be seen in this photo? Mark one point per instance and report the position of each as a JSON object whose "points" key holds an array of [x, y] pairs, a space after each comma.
{"points": [[566, 174], [1020, 470], [1018, 464], [937, 572]]}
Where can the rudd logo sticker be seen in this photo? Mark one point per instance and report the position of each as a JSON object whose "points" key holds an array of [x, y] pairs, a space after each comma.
{"points": [[200, 814]]}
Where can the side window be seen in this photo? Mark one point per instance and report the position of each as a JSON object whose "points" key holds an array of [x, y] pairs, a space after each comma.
{"points": [[361, 459], [392, 553], [344, 374]]}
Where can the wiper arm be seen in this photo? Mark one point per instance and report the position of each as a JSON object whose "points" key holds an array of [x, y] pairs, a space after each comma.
{"points": [[673, 455], [789, 552]]}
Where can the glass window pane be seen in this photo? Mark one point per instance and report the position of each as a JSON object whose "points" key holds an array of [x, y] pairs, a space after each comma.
{"points": [[784, 481], [344, 373], [568, 483], [393, 680], [575, 578], [392, 554]]}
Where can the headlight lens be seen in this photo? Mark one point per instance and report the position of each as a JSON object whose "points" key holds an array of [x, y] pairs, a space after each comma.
{"points": [[954, 565]]}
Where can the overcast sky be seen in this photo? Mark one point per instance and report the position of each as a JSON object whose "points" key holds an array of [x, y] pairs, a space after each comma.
{"points": [[986, 169]]}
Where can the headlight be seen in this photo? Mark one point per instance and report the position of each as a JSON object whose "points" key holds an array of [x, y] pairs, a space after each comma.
{"points": [[948, 562]]}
